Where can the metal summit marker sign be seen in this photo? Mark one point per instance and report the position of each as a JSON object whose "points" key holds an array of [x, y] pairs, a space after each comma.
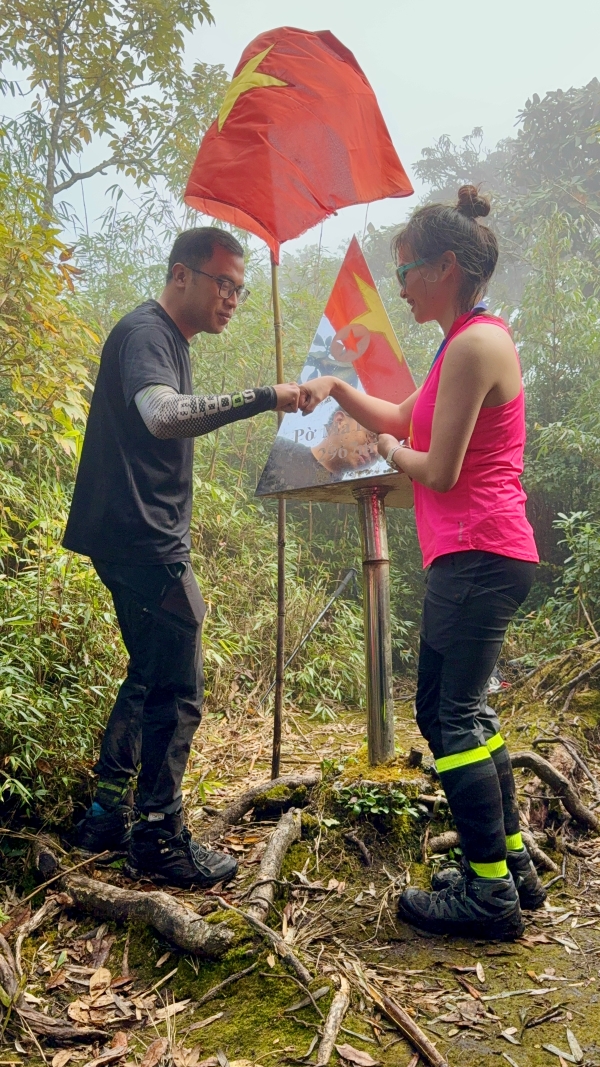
{"points": [[328, 456]]}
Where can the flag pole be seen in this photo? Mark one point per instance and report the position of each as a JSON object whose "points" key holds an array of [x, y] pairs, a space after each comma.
{"points": [[280, 647]]}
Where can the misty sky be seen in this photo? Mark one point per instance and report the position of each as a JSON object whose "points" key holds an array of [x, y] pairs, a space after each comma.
{"points": [[436, 66]]}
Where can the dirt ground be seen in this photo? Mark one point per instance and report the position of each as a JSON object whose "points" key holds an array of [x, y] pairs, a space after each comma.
{"points": [[533, 1002]]}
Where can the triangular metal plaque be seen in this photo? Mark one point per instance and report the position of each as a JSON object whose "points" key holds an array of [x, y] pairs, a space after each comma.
{"points": [[327, 455]]}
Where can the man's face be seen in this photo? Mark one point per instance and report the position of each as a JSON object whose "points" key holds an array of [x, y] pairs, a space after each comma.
{"points": [[202, 305], [348, 446]]}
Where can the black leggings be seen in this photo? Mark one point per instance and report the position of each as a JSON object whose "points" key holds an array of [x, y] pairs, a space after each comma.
{"points": [[470, 599]]}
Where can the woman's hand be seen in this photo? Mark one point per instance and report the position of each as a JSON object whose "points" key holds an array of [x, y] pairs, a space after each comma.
{"points": [[314, 391], [385, 442]]}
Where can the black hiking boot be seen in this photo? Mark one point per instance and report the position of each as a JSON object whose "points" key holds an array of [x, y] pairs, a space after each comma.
{"points": [[109, 832], [529, 887], [474, 907], [165, 852]]}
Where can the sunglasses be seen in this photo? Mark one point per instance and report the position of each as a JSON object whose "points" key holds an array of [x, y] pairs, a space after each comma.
{"points": [[404, 268]]}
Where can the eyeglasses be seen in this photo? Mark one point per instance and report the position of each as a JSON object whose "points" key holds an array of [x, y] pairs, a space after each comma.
{"points": [[226, 288], [404, 268]]}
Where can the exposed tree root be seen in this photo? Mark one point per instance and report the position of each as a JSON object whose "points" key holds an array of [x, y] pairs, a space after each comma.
{"points": [[578, 759], [175, 922], [560, 785], [283, 950], [539, 857], [288, 830], [160, 910], [331, 1027], [450, 839], [236, 811], [353, 839]]}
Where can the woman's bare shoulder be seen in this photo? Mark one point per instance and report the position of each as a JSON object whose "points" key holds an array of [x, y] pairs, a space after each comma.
{"points": [[482, 339]]}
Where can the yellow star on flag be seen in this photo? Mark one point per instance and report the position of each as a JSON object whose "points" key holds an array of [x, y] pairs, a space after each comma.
{"points": [[376, 318], [248, 78]]}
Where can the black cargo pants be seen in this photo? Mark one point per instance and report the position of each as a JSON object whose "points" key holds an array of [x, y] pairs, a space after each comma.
{"points": [[159, 705], [471, 598]]}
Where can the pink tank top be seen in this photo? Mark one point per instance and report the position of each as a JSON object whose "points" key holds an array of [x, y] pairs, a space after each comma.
{"points": [[485, 510]]}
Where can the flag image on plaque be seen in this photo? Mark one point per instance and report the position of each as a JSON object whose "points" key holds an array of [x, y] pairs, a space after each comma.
{"points": [[327, 454]]}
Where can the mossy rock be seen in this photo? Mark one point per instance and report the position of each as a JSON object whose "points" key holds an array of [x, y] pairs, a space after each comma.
{"points": [[395, 774], [280, 798]]}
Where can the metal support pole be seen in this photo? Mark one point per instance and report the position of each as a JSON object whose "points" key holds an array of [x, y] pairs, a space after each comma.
{"points": [[378, 636], [280, 649]]}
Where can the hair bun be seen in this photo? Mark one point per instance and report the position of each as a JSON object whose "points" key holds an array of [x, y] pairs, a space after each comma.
{"points": [[472, 203]]}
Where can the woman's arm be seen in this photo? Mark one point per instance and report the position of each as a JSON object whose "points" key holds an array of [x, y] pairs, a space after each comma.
{"points": [[378, 415], [477, 366]]}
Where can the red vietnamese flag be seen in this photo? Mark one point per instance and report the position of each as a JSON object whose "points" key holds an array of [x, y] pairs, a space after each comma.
{"points": [[299, 135], [364, 333]]}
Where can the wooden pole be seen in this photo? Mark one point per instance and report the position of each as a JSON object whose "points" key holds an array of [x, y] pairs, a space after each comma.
{"points": [[378, 634], [280, 648]]}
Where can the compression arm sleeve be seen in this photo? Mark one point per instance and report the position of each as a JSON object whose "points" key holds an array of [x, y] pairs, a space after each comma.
{"points": [[168, 413]]}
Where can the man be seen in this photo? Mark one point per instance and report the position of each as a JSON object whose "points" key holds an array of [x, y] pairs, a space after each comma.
{"points": [[131, 514], [346, 446]]}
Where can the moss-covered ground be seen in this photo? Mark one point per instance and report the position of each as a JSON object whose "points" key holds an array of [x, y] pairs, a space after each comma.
{"points": [[340, 916]]}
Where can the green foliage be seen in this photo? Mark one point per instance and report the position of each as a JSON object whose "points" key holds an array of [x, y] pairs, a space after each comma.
{"points": [[579, 587], [556, 159], [367, 800], [115, 74], [115, 71]]}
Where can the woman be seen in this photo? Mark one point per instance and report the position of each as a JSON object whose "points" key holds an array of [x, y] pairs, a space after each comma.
{"points": [[460, 438]]}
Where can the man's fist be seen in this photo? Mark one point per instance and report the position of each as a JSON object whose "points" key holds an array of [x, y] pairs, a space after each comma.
{"points": [[288, 396], [314, 391]]}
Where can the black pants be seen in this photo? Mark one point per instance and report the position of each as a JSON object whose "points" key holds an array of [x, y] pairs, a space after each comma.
{"points": [[470, 599], [159, 705]]}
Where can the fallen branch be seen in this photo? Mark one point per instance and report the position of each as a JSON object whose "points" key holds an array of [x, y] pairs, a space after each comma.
{"points": [[353, 839], [47, 911], [444, 842], [407, 1027], [288, 830], [283, 950], [174, 921], [331, 1027], [58, 1032], [570, 747], [115, 1051], [55, 1030], [236, 811], [583, 676], [559, 659], [560, 785], [311, 998], [214, 992], [44, 856]]}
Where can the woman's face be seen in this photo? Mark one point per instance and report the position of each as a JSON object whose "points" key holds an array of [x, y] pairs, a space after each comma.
{"points": [[426, 289]]}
